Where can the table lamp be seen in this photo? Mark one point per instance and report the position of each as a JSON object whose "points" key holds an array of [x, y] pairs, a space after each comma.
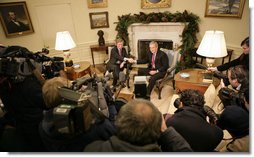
{"points": [[212, 46], [65, 42]]}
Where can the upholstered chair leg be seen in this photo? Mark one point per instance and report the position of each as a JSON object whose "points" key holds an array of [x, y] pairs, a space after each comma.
{"points": [[159, 93]]}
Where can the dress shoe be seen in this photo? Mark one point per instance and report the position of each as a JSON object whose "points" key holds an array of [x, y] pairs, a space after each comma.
{"points": [[147, 97]]}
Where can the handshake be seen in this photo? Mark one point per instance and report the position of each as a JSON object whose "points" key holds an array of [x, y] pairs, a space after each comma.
{"points": [[130, 60]]}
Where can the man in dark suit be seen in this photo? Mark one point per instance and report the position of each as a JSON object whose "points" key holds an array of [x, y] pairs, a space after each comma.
{"points": [[14, 25], [117, 61], [157, 66]]}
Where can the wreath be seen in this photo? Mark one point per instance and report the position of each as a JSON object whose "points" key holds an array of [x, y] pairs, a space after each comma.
{"points": [[189, 38]]}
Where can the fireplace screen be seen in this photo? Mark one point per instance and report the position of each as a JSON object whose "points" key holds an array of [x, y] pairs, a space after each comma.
{"points": [[143, 46]]}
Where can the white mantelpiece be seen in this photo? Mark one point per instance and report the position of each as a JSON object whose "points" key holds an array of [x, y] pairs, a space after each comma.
{"points": [[161, 30]]}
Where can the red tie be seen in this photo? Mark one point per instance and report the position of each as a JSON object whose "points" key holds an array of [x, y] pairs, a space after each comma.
{"points": [[153, 61]]}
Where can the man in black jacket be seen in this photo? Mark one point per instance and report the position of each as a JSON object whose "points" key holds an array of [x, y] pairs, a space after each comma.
{"points": [[190, 121], [117, 61], [157, 65], [141, 128], [15, 26], [243, 59]]}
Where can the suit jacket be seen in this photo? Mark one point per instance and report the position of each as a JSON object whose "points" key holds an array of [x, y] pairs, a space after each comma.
{"points": [[161, 61], [169, 141], [191, 123], [115, 58], [243, 59], [13, 28]]}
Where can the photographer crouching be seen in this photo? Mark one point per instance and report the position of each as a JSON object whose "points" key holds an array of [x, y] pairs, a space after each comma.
{"points": [[238, 78]]}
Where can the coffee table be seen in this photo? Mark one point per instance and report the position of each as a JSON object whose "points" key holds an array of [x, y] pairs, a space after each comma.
{"points": [[194, 81]]}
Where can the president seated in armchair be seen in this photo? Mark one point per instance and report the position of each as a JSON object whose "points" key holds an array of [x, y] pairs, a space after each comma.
{"points": [[157, 66]]}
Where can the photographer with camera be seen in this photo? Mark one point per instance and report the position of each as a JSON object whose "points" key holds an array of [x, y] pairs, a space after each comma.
{"points": [[190, 121], [20, 91], [235, 120], [69, 126], [141, 128], [239, 79]]}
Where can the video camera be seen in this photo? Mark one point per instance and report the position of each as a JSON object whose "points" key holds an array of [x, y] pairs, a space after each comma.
{"points": [[231, 97], [17, 62], [87, 97], [222, 76]]}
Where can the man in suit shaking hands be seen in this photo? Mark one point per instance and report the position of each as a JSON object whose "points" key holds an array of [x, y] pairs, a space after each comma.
{"points": [[117, 61], [157, 65]]}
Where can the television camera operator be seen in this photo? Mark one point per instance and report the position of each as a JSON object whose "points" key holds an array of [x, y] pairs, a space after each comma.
{"points": [[21, 94], [70, 124]]}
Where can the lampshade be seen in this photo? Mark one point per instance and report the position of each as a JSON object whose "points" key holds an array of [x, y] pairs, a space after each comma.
{"points": [[213, 45], [64, 41]]}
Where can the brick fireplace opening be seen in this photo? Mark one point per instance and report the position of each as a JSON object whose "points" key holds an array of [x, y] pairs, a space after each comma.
{"points": [[143, 46]]}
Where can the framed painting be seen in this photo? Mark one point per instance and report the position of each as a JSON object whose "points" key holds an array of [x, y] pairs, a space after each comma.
{"points": [[147, 4], [97, 3], [99, 20], [15, 19], [225, 8]]}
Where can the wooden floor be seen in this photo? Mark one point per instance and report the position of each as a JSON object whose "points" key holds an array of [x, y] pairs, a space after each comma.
{"points": [[166, 95]]}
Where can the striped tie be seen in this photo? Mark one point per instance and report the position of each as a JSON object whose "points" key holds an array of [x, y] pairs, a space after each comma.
{"points": [[153, 61]]}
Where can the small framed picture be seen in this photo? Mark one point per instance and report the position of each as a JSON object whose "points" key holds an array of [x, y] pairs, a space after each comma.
{"points": [[97, 3], [15, 19], [147, 4], [225, 8], [99, 20]]}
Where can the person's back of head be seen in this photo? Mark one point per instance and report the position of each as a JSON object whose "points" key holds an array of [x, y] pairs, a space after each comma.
{"points": [[139, 122], [192, 98], [50, 92]]}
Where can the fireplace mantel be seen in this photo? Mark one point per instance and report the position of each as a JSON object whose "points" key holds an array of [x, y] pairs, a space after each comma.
{"points": [[161, 30]]}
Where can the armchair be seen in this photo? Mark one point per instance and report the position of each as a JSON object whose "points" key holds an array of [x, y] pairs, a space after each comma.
{"points": [[173, 57]]}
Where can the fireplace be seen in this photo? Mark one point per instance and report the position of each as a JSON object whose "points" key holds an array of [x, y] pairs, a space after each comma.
{"points": [[143, 46], [168, 34]]}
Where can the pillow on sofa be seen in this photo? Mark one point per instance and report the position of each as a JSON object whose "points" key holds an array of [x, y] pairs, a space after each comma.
{"points": [[210, 95]]}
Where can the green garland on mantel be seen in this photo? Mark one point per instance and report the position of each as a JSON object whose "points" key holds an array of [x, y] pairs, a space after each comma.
{"points": [[189, 38]]}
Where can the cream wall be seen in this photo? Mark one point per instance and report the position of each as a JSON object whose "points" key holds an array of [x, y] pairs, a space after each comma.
{"points": [[235, 29]]}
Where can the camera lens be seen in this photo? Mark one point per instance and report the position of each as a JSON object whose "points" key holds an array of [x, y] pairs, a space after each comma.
{"points": [[177, 103]]}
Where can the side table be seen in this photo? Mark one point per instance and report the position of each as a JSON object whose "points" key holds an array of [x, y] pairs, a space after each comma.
{"points": [[100, 48], [84, 69], [194, 81]]}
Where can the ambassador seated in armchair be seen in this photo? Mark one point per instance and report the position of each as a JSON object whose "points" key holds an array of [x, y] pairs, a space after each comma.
{"points": [[157, 65], [118, 60]]}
